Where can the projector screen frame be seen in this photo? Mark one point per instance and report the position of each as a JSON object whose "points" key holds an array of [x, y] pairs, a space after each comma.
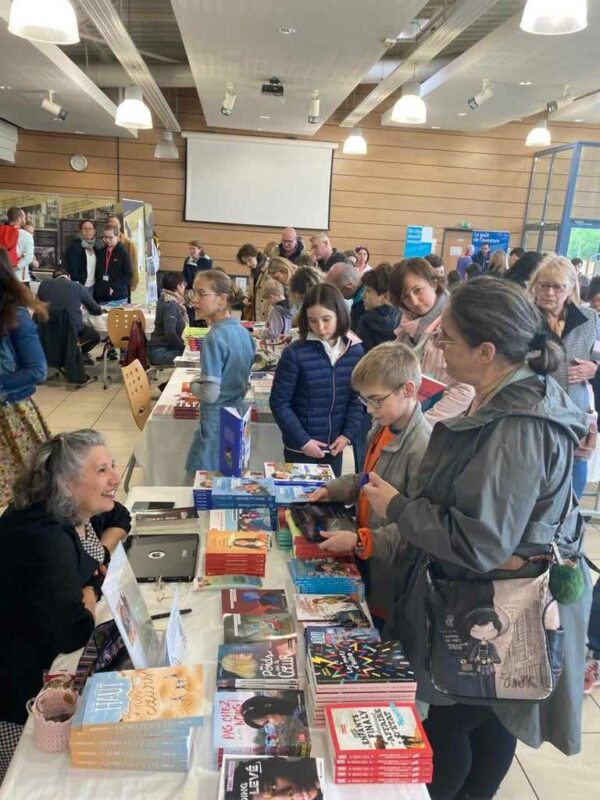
{"points": [[186, 135]]}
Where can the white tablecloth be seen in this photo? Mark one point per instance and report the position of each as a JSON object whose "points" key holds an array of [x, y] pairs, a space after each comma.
{"points": [[100, 322], [34, 775], [164, 444]]}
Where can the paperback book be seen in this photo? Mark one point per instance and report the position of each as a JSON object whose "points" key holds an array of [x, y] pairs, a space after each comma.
{"points": [[351, 665], [264, 665], [336, 636], [247, 492], [323, 575], [255, 602], [238, 629], [430, 391], [234, 442], [242, 519], [221, 582], [298, 474], [265, 722], [286, 495], [202, 489], [236, 552], [244, 778], [345, 611]]}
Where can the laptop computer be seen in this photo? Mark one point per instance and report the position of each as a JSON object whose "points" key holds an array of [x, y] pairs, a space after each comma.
{"points": [[171, 556]]}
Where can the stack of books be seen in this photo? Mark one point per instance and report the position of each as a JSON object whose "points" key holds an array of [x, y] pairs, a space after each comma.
{"points": [[186, 407], [236, 552], [326, 576], [284, 533], [378, 743], [308, 475], [241, 519], [244, 778], [138, 719], [285, 494], [247, 628], [193, 338], [345, 611], [259, 393], [304, 549], [358, 672], [336, 636], [202, 490], [253, 602], [260, 721], [263, 665]]}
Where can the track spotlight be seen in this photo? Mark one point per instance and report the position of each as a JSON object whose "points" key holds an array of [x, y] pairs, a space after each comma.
{"points": [[314, 108], [53, 108], [228, 101], [487, 91]]}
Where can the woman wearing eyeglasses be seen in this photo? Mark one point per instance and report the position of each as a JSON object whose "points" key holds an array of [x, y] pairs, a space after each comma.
{"points": [[555, 291], [416, 290], [493, 490]]}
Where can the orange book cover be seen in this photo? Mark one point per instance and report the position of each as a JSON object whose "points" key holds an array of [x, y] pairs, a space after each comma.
{"points": [[228, 542]]}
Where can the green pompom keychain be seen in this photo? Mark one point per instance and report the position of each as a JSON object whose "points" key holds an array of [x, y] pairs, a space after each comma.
{"points": [[566, 580]]}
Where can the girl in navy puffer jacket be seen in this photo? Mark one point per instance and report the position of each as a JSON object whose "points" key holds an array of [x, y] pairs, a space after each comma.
{"points": [[312, 398]]}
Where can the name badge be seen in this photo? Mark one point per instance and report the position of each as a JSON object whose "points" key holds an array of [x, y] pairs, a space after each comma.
{"points": [[105, 278]]}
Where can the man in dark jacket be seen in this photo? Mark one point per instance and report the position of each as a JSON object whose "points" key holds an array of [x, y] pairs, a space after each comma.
{"points": [[380, 318], [82, 254], [291, 245], [482, 257], [113, 269], [326, 254], [345, 277], [61, 292]]}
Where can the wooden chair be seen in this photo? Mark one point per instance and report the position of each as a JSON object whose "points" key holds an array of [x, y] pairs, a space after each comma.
{"points": [[137, 387], [118, 325]]}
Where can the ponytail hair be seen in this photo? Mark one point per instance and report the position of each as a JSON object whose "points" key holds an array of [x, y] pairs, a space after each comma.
{"points": [[221, 283], [494, 310]]}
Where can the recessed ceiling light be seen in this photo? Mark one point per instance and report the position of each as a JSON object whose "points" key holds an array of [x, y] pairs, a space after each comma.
{"points": [[287, 30], [579, 120], [265, 116], [525, 83], [462, 114], [259, 129], [79, 131], [435, 127]]}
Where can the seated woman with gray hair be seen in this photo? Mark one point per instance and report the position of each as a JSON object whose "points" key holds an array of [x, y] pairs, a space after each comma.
{"points": [[55, 538]]}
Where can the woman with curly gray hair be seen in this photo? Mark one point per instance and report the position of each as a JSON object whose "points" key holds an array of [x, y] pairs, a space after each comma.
{"points": [[55, 538]]}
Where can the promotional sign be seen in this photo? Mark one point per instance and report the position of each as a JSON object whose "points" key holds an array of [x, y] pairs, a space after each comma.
{"points": [[419, 241], [497, 240]]}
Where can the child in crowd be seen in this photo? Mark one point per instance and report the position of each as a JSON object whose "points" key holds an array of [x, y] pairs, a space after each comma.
{"points": [[279, 321], [388, 379], [227, 356], [380, 318], [312, 399]]}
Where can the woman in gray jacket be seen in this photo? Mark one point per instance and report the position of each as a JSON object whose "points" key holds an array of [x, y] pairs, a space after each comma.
{"points": [[493, 484]]}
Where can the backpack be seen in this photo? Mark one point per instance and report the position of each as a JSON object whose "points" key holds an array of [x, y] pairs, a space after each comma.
{"points": [[9, 238]]}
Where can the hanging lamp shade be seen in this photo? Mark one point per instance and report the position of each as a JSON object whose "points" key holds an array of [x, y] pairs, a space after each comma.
{"points": [[133, 112], [355, 144], [49, 21], [539, 136], [554, 17], [410, 109], [166, 148]]}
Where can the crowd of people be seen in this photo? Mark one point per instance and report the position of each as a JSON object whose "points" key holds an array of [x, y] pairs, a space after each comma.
{"points": [[479, 485]]}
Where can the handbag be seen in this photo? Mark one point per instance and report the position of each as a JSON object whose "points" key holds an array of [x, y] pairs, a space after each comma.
{"points": [[498, 638], [105, 651]]}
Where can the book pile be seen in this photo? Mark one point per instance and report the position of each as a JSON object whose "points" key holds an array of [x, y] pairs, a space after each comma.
{"points": [[285, 495], [260, 721], [263, 665], [193, 338], [138, 719], [378, 742], [251, 491], [326, 576], [311, 475], [344, 611], [247, 628], [186, 407], [360, 672], [236, 552], [304, 549], [284, 533], [202, 490], [244, 778], [259, 392], [336, 636], [253, 602]]}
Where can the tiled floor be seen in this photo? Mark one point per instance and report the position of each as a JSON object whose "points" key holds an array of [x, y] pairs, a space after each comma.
{"points": [[543, 774]]}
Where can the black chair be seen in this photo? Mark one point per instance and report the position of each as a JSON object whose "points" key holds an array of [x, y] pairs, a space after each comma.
{"points": [[61, 347]]}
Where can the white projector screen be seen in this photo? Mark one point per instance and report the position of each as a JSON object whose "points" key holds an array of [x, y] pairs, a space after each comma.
{"points": [[246, 180]]}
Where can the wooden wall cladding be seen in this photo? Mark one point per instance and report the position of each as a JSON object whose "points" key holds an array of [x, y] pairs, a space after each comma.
{"points": [[408, 177]]}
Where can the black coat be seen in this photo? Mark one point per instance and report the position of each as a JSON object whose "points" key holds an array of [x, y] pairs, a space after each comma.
{"points": [[119, 273], [42, 572], [191, 268], [335, 258], [377, 326], [76, 261]]}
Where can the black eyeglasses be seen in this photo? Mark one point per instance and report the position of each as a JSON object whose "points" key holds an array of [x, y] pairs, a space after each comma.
{"points": [[377, 402]]}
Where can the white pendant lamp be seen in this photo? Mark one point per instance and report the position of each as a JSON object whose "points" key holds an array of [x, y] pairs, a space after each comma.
{"points": [[49, 21], [410, 108], [166, 148], [133, 112], [355, 144], [554, 17], [539, 136]]}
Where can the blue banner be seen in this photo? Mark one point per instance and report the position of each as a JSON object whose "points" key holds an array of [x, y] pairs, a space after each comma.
{"points": [[497, 240], [418, 242]]}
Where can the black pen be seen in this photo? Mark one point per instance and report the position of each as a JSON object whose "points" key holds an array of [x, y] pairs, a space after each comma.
{"points": [[168, 614]]}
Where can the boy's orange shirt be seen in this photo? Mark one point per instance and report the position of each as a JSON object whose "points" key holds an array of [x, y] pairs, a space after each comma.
{"points": [[383, 438]]}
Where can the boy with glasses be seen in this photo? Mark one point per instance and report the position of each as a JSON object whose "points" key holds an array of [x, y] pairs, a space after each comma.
{"points": [[388, 380]]}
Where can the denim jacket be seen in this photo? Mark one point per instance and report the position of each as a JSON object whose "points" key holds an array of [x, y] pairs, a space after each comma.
{"points": [[22, 360]]}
